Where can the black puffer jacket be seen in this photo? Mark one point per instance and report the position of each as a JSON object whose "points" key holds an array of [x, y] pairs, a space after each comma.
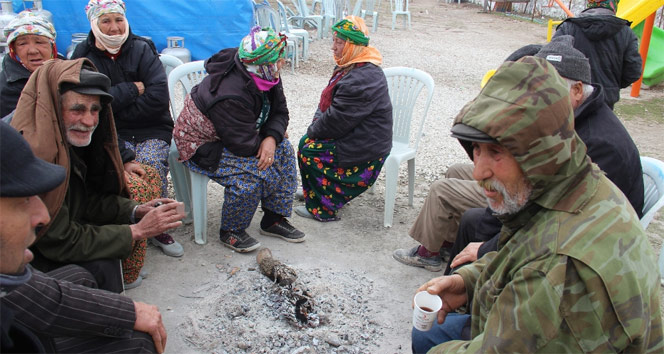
{"points": [[12, 80], [137, 118], [359, 118], [610, 45], [229, 98]]}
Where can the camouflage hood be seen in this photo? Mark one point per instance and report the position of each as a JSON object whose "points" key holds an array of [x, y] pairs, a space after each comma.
{"points": [[526, 108]]}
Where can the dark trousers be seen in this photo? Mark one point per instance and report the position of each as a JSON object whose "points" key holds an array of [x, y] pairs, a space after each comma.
{"points": [[476, 225]]}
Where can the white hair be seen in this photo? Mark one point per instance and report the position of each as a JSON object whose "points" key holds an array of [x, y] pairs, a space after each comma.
{"points": [[587, 89]]}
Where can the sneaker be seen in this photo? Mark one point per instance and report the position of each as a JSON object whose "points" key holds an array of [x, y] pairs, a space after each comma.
{"points": [[284, 230], [411, 258], [134, 284], [303, 212], [238, 241], [299, 195], [168, 245]]}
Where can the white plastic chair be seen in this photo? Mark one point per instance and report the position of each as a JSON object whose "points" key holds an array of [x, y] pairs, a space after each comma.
{"points": [[190, 187], [405, 86], [328, 12], [399, 8], [265, 16], [368, 9], [653, 190], [301, 33], [169, 62], [303, 16]]}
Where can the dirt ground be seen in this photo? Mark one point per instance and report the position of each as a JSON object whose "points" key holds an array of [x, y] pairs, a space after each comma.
{"points": [[214, 300]]}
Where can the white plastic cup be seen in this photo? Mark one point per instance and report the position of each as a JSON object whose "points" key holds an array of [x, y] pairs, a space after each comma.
{"points": [[426, 310]]}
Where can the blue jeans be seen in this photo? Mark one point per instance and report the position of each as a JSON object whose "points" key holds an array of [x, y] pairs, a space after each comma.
{"points": [[440, 333]]}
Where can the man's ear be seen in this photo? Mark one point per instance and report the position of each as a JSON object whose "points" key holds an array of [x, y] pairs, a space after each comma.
{"points": [[576, 94]]}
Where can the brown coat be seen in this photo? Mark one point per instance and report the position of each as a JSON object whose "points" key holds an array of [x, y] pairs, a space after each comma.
{"points": [[38, 118]]}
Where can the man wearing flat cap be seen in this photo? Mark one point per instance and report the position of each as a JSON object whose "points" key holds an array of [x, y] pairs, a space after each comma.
{"points": [[64, 113], [574, 271], [59, 311]]}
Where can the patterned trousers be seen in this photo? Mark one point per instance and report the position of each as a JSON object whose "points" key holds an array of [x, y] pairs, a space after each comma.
{"points": [[153, 152], [245, 185], [142, 190]]}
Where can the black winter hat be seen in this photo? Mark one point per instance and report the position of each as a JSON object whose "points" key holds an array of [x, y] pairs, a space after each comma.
{"points": [[570, 62], [22, 174]]}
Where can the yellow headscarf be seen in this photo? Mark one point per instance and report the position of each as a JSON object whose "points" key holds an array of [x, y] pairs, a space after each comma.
{"points": [[354, 53]]}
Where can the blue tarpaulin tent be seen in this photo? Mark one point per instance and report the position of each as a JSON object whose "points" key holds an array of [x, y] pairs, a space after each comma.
{"points": [[207, 25]]}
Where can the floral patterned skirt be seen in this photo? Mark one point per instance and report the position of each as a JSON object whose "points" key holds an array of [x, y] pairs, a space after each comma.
{"points": [[326, 186], [142, 190]]}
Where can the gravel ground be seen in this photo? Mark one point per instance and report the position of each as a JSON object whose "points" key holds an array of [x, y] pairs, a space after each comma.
{"points": [[216, 301]]}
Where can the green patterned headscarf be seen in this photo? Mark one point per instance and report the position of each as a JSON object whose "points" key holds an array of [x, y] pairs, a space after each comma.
{"points": [[607, 4], [262, 46], [350, 32]]}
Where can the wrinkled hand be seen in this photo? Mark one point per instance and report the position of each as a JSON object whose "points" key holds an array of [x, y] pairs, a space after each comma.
{"points": [[265, 153], [451, 289], [148, 320], [140, 87], [134, 168], [469, 254], [157, 216]]}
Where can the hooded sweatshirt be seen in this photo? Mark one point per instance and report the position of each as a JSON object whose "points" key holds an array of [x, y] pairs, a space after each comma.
{"points": [[610, 45], [574, 271]]}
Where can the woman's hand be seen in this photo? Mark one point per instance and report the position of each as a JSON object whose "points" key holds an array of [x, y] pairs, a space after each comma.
{"points": [[133, 169], [140, 87], [266, 153]]}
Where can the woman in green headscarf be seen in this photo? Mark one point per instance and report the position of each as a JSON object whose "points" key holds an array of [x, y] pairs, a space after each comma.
{"points": [[232, 128], [351, 133]]}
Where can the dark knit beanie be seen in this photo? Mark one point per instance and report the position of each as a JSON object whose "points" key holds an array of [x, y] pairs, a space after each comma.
{"points": [[570, 62], [528, 50]]}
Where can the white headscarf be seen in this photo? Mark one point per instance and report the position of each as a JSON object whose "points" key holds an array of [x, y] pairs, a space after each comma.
{"points": [[97, 8]]}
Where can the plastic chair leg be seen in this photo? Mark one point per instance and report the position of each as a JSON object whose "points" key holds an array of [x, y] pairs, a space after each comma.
{"points": [[391, 177], [199, 204], [394, 20], [411, 180], [180, 181], [375, 22], [661, 264]]}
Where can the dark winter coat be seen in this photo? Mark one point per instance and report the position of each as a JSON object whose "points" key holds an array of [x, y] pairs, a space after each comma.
{"points": [[229, 98], [137, 118], [359, 118], [12, 80], [610, 45]]}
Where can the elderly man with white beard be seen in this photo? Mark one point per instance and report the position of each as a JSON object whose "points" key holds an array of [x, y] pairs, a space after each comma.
{"points": [[64, 113]]}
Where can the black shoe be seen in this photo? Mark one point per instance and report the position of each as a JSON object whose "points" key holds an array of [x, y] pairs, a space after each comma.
{"points": [[238, 241], [284, 230]]}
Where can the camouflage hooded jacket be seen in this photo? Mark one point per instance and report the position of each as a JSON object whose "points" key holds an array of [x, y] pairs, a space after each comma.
{"points": [[574, 271]]}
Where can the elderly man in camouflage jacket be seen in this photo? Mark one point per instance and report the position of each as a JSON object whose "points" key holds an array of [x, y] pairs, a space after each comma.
{"points": [[574, 271]]}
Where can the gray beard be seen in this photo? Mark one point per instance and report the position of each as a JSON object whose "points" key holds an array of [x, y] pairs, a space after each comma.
{"points": [[511, 204]]}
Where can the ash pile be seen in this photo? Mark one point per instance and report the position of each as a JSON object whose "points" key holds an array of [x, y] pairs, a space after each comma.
{"points": [[253, 310]]}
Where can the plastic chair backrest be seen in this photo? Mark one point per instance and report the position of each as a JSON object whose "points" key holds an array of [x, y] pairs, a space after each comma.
{"points": [[265, 16], [189, 75], [405, 85], [399, 5], [169, 62], [357, 9], [301, 6], [283, 16], [369, 6], [653, 188]]}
